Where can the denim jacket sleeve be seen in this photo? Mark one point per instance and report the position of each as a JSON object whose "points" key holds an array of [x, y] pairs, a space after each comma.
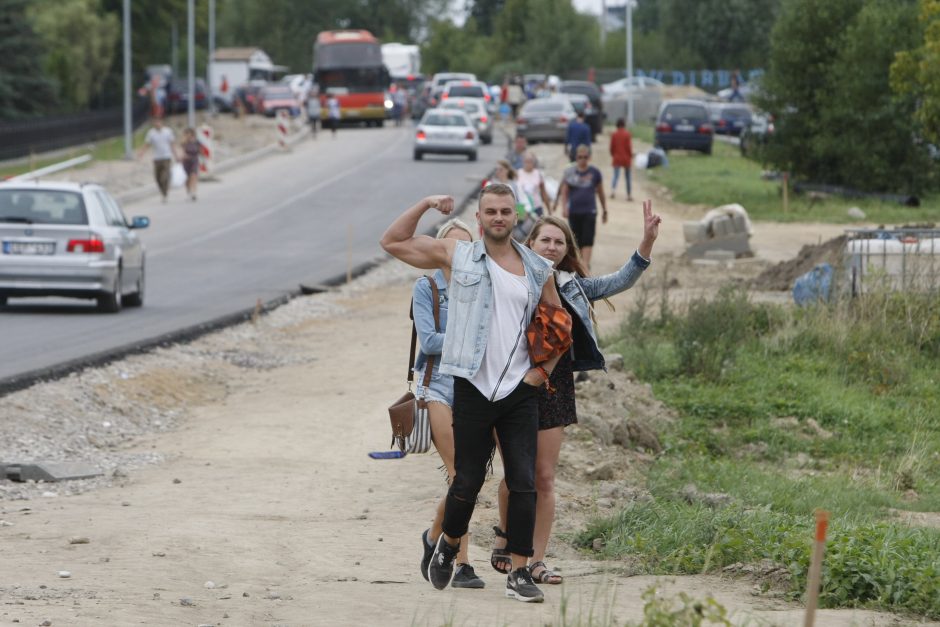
{"points": [[432, 342], [615, 282]]}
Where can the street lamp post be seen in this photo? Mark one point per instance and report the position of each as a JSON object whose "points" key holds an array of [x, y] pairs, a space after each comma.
{"points": [[191, 62], [630, 4], [128, 124], [211, 53]]}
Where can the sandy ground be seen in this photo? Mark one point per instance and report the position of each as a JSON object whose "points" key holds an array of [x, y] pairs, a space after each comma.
{"points": [[268, 511]]}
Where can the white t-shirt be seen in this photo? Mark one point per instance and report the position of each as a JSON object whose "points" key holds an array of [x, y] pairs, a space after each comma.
{"points": [[161, 141], [529, 183], [506, 358]]}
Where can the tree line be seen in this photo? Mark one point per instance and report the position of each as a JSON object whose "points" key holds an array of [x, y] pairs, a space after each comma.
{"points": [[854, 85]]}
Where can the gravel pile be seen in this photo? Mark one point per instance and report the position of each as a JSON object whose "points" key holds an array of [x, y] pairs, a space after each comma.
{"points": [[96, 416]]}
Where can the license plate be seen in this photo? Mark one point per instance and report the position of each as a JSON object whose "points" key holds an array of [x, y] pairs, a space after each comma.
{"points": [[28, 248], [540, 120], [684, 127]]}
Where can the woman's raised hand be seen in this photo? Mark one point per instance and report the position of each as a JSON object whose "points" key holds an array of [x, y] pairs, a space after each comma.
{"points": [[651, 222]]}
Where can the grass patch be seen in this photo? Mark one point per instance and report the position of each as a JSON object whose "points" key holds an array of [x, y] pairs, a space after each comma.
{"points": [[105, 150], [726, 177], [783, 411]]}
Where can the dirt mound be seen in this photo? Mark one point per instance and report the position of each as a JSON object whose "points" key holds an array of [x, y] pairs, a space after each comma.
{"points": [[780, 277]]}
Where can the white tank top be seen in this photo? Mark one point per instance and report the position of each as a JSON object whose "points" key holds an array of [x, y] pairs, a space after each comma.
{"points": [[506, 358]]}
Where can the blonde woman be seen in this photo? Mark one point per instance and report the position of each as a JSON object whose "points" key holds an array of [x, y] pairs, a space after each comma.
{"points": [[440, 397]]}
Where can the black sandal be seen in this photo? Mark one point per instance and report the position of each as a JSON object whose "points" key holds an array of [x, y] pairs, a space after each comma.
{"points": [[546, 576], [500, 559]]}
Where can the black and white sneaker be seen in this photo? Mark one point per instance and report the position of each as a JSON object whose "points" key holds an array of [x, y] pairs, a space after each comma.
{"points": [[428, 549], [520, 586], [464, 577], [441, 568]]}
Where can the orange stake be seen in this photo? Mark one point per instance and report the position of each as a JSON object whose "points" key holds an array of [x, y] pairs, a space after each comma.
{"points": [[815, 568]]}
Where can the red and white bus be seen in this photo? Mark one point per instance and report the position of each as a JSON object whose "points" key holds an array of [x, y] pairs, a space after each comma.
{"points": [[348, 64]]}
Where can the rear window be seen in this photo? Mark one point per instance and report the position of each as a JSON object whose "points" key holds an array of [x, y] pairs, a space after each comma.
{"points": [[469, 107], [28, 206], [440, 119], [736, 113], [587, 90], [684, 112], [465, 91], [543, 107]]}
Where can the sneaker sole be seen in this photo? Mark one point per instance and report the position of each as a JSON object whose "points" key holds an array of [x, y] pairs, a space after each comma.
{"points": [[476, 584], [512, 594], [424, 547]]}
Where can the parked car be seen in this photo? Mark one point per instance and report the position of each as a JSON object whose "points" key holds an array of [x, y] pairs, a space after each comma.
{"points": [[581, 104], [729, 118], [247, 96], [476, 110], [177, 93], [446, 131], [593, 92], [756, 134], [624, 85], [684, 124], [274, 98], [69, 239], [545, 119]]}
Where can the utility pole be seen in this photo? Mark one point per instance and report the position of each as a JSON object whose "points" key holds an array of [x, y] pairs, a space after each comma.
{"points": [[603, 23], [211, 53], [174, 49], [191, 61], [630, 5], [128, 125]]}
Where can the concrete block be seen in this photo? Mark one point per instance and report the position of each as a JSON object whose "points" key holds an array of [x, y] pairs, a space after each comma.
{"points": [[48, 471]]}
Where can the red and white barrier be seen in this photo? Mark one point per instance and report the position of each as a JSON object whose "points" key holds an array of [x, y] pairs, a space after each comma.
{"points": [[206, 150], [283, 124]]}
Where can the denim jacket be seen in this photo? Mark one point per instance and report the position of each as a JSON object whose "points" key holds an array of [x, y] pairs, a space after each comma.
{"points": [[471, 296], [578, 294], [430, 342]]}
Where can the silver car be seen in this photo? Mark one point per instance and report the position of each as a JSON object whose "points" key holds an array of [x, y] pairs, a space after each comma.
{"points": [[446, 131], [69, 239], [476, 110], [545, 119]]}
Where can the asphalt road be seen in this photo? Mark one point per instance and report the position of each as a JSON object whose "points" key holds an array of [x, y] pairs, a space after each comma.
{"points": [[300, 217]]}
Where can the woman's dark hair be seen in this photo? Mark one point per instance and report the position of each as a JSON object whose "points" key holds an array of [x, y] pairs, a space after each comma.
{"points": [[621, 123]]}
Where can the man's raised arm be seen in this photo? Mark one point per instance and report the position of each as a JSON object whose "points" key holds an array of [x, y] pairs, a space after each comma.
{"points": [[419, 251]]}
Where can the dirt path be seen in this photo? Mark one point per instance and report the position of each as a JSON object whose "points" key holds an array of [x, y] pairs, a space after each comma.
{"points": [[268, 493]]}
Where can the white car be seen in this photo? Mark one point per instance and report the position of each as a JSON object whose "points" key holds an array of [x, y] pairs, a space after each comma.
{"points": [[626, 84], [446, 131], [479, 113], [69, 239]]}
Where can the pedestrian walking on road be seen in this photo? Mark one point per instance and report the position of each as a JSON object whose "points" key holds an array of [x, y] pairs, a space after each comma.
{"points": [[439, 396], [531, 184], [582, 185], [313, 113], [497, 288], [621, 156], [190, 160], [552, 238], [333, 113], [162, 144], [578, 133]]}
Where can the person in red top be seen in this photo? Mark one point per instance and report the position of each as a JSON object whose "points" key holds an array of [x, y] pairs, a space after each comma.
{"points": [[621, 153]]}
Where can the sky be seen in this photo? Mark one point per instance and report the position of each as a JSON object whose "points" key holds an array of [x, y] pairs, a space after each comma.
{"points": [[584, 6]]}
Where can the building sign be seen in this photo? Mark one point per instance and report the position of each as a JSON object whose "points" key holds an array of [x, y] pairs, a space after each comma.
{"points": [[715, 79]]}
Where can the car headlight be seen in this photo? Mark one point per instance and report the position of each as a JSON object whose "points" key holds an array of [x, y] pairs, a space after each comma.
{"points": [[388, 104]]}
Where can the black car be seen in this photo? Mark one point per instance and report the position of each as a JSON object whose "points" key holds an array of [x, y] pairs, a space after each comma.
{"points": [[730, 118], [177, 95], [594, 119], [684, 124]]}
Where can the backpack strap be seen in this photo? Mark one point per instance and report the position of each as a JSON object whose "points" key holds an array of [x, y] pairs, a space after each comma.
{"points": [[435, 299]]}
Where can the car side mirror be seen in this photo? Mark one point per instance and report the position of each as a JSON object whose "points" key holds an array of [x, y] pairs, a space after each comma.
{"points": [[139, 222]]}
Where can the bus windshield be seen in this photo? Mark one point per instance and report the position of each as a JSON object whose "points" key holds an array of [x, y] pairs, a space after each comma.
{"points": [[354, 81]]}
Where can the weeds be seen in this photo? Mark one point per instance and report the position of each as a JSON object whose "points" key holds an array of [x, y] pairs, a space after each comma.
{"points": [[784, 411]]}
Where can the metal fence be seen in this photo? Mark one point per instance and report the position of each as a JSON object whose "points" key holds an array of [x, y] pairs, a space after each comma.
{"points": [[21, 138], [898, 259]]}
